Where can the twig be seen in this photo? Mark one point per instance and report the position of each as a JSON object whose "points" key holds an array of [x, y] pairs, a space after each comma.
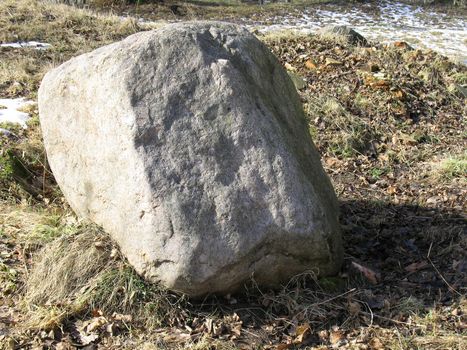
{"points": [[429, 250], [399, 338], [44, 173], [335, 76], [333, 298], [251, 333], [371, 313], [25, 264], [439, 273], [394, 321]]}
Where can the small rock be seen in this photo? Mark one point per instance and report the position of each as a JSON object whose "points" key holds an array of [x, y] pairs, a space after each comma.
{"points": [[402, 45], [6, 133], [346, 33], [289, 67]]}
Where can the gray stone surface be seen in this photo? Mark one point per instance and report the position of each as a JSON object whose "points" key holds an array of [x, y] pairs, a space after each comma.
{"points": [[346, 33], [188, 144], [6, 133]]}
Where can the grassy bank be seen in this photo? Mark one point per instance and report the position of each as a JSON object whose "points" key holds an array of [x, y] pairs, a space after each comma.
{"points": [[232, 9], [389, 124]]}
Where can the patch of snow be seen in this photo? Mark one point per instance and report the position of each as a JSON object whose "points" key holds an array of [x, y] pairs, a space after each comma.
{"points": [[9, 111], [34, 44], [385, 22]]}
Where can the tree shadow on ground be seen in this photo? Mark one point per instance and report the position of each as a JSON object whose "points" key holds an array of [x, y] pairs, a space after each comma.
{"points": [[417, 255], [213, 3], [418, 251]]}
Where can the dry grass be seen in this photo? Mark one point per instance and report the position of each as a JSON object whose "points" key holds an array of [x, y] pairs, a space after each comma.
{"points": [[202, 9], [455, 3], [82, 271], [62, 274], [333, 37], [24, 171], [33, 224], [69, 30], [352, 135], [66, 265]]}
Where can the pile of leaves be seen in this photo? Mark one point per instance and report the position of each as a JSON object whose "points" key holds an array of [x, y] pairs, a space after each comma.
{"points": [[387, 115]]}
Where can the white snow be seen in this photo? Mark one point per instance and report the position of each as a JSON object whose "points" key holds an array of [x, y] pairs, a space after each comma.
{"points": [[34, 44], [383, 22], [9, 111]]}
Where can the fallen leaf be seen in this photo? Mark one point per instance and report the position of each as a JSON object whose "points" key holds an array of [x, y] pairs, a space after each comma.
{"points": [[376, 83], [309, 64], [298, 81], [96, 323], [64, 345], [218, 329], [406, 139], [302, 332], [370, 275], [332, 162], [209, 323], [236, 330], [399, 94], [391, 190], [87, 339], [332, 62], [336, 336], [123, 318], [416, 266], [376, 344], [96, 313]]}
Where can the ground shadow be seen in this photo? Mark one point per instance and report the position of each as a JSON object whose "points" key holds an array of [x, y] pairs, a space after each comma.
{"points": [[213, 3], [416, 250], [417, 254]]}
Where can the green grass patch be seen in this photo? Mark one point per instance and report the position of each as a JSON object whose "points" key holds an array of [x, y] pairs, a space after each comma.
{"points": [[454, 167]]}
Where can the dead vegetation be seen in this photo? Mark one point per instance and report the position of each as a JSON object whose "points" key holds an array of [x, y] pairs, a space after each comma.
{"points": [[171, 10], [69, 30], [82, 272], [389, 123], [385, 114]]}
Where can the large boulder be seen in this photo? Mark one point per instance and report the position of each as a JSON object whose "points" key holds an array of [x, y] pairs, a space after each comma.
{"points": [[189, 145]]}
